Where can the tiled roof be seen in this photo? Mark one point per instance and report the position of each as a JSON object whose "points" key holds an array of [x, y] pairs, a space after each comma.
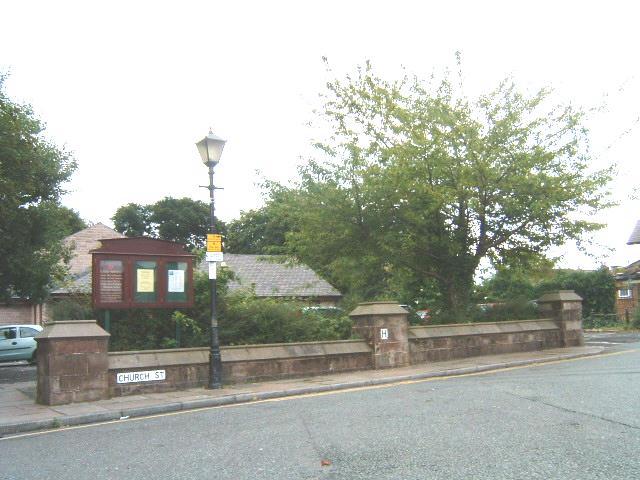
{"points": [[635, 235], [80, 264], [84, 241], [274, 276]]}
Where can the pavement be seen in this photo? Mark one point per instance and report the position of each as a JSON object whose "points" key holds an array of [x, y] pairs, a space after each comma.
{"points": [[19, 412]]}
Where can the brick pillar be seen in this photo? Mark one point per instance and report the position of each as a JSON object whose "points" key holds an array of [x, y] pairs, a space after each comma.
{"points": [[565, 307], [384, 326], [72, 362]]}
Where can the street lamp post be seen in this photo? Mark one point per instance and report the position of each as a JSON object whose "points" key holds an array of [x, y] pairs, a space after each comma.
{"points": [[210, 149]]}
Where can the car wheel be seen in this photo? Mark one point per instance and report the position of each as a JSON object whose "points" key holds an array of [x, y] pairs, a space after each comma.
{"points": [[34, 358]]}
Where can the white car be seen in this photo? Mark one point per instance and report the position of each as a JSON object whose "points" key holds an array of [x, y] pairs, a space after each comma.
{"points": [[17, 342]]}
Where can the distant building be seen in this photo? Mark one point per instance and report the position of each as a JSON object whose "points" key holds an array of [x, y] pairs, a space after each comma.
{"points": [[23, 311], [274, 276], [628, 282], [267, 275]]}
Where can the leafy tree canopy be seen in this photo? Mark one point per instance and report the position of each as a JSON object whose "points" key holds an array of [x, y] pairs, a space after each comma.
{"points": [[261, 231], [177, 219], [32, 222], [420, 183], [596, 287]]}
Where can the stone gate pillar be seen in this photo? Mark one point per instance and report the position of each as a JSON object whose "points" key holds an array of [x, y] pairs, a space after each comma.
{"points": [[73, 363], [565, 307], [384, 326]]}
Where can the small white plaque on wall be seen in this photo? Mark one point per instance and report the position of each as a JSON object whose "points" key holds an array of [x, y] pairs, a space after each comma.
{"points": [[384, 334], [147, 376]]}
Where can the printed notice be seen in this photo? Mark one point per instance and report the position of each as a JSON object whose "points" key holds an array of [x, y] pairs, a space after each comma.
{"points": [[145, 280], [176, 281], [214, 242], [110, 279]]}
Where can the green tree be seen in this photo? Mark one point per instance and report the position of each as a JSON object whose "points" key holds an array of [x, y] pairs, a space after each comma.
{"points": [[32, 221], [420, 181], [180, 220], [596, 287], [261, 231], [132, 220]]}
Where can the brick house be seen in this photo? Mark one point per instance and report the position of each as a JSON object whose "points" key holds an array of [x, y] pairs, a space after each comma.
{"points": [[628, 282]]}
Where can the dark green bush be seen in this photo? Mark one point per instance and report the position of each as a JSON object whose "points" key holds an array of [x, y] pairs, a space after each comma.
{"points": [[243, 319], [597, 320], [250, 320], [77, 307], [495, 312], [635, 322]]}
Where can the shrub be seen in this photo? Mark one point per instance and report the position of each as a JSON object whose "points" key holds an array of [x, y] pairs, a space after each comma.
{"points": [[246, 319], [77, 307]]}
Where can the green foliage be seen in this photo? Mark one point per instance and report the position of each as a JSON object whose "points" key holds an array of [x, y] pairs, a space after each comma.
{"points": [[32, 221], [180, 220], [243, 319], [635, 322], [148, 329], [516, 281], [262, 231], [602, 320], [250, 320], [597, 288], [132, 220], [421, 182], [77, 307], [516, 309]]}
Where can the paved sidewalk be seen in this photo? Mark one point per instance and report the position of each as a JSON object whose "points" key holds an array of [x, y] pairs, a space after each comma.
{"points": [[19, 413]]}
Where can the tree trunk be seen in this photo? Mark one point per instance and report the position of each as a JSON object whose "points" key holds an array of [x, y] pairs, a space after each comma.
{"points": [[457, 290]]}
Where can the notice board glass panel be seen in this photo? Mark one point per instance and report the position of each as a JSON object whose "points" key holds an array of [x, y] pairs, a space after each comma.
{"points": [[177, 282], [111, 281], [145, 282]]}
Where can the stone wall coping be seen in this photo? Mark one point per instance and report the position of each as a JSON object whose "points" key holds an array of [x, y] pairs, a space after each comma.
{"points": [[560, 295], [239, 353], [484, 328], [72, 329], [378, 308]]}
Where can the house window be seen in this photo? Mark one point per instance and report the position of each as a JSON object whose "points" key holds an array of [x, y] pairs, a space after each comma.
{"points": [[624, 293]]}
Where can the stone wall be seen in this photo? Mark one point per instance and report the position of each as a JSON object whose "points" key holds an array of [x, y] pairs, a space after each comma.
{"points": [[189, 367], [446, 342], [20, 313], [73, 363]]}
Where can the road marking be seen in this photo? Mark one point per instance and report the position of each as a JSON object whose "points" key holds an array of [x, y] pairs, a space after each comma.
{"points": [[605, 343], [318, 394]]}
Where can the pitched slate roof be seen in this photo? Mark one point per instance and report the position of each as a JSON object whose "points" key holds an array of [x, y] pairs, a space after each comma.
{"points": [[274, 276], [85, 240], [635, 235], [80, 264]]}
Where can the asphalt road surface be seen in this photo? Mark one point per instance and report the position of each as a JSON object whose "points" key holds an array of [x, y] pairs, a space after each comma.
{"points": [[575, 419], [12, 372]]}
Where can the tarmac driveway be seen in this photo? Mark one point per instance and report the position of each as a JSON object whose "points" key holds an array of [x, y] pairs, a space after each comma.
{"points": [[17, 372]]}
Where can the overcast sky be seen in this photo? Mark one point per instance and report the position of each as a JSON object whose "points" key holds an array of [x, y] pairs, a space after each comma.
{"points": [[130, 86]]}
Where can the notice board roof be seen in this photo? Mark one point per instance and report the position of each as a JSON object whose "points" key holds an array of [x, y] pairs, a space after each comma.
{"points": [[142, 246]]}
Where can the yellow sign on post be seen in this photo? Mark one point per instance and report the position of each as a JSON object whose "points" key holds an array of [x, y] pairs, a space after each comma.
{"points": [[214, 242]]}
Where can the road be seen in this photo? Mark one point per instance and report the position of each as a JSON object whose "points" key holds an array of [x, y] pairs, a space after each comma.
{"points": [[575, 419]]}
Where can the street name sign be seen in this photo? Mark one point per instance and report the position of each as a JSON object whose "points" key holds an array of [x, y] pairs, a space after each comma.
{"points": [[146, 376]]}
